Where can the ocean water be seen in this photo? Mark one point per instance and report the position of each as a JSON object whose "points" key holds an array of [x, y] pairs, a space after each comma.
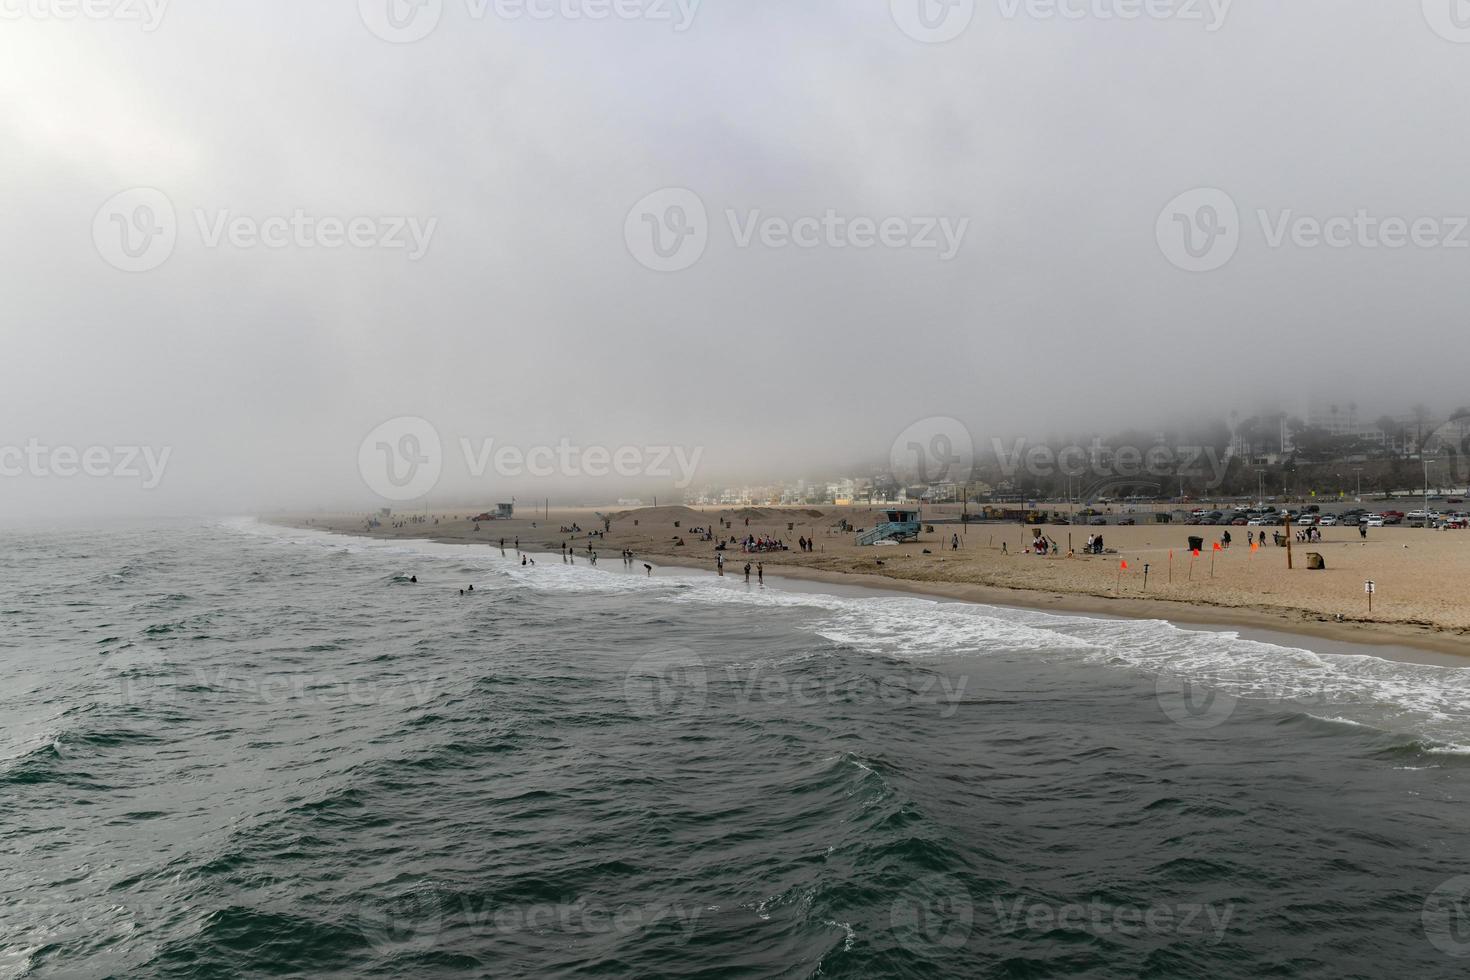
{"points": [[233, 750]]}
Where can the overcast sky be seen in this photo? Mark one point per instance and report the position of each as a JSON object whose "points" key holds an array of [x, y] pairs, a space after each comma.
{"points": [[999, 233]]}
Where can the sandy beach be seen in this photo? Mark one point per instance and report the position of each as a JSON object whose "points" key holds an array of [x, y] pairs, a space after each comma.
{"points": [[1420, 575]]}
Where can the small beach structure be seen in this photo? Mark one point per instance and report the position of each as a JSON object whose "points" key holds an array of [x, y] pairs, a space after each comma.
{"points": [[899, 524]]}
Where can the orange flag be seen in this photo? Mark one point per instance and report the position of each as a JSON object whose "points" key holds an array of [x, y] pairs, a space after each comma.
{"points": [[1124, 567], [1195, 552], [1217, 546], [1255, 545]]}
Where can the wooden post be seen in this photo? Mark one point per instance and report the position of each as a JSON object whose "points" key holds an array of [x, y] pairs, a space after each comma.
{"points": [[1288, 543]]}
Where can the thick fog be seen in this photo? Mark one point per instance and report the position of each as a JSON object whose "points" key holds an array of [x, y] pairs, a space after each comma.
{"points": [[241, 239]]}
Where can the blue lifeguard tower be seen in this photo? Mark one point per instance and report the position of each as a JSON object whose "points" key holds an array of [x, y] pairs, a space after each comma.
{"points": [[899, 525]]}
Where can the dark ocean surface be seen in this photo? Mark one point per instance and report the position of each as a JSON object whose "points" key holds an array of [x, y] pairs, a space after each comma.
{"points": [[233, 750]]}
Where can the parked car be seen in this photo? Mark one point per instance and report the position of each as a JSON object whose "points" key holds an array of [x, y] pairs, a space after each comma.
{"points": [[1328, 521], [1127, 522], [1376, 521], [1098, 522]]}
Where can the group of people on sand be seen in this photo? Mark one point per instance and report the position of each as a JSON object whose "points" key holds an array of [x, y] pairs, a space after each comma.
{"points": [[752, 543], [806, 544], [372, 523], [1043, 546]]}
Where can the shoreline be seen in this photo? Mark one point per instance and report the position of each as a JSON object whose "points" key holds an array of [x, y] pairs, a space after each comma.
{"points": [[1428, 645], [1396, 641]]}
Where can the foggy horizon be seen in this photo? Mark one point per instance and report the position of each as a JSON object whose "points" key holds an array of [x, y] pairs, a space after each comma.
{"points": [[254, 237]]}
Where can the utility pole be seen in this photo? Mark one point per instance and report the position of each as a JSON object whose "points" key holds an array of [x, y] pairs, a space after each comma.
{"points": [[1288, 542]]}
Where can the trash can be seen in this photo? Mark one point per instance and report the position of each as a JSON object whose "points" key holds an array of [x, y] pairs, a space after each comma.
{"points": [[1196, 544]]}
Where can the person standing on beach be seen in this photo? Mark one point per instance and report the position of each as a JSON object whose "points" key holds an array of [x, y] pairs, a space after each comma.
{"points": [[720, 565], [747, 572], [1363, 530], [760, 573]]}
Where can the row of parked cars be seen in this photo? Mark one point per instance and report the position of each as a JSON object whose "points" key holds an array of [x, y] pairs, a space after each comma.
{"points": [[1271, 517]]}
